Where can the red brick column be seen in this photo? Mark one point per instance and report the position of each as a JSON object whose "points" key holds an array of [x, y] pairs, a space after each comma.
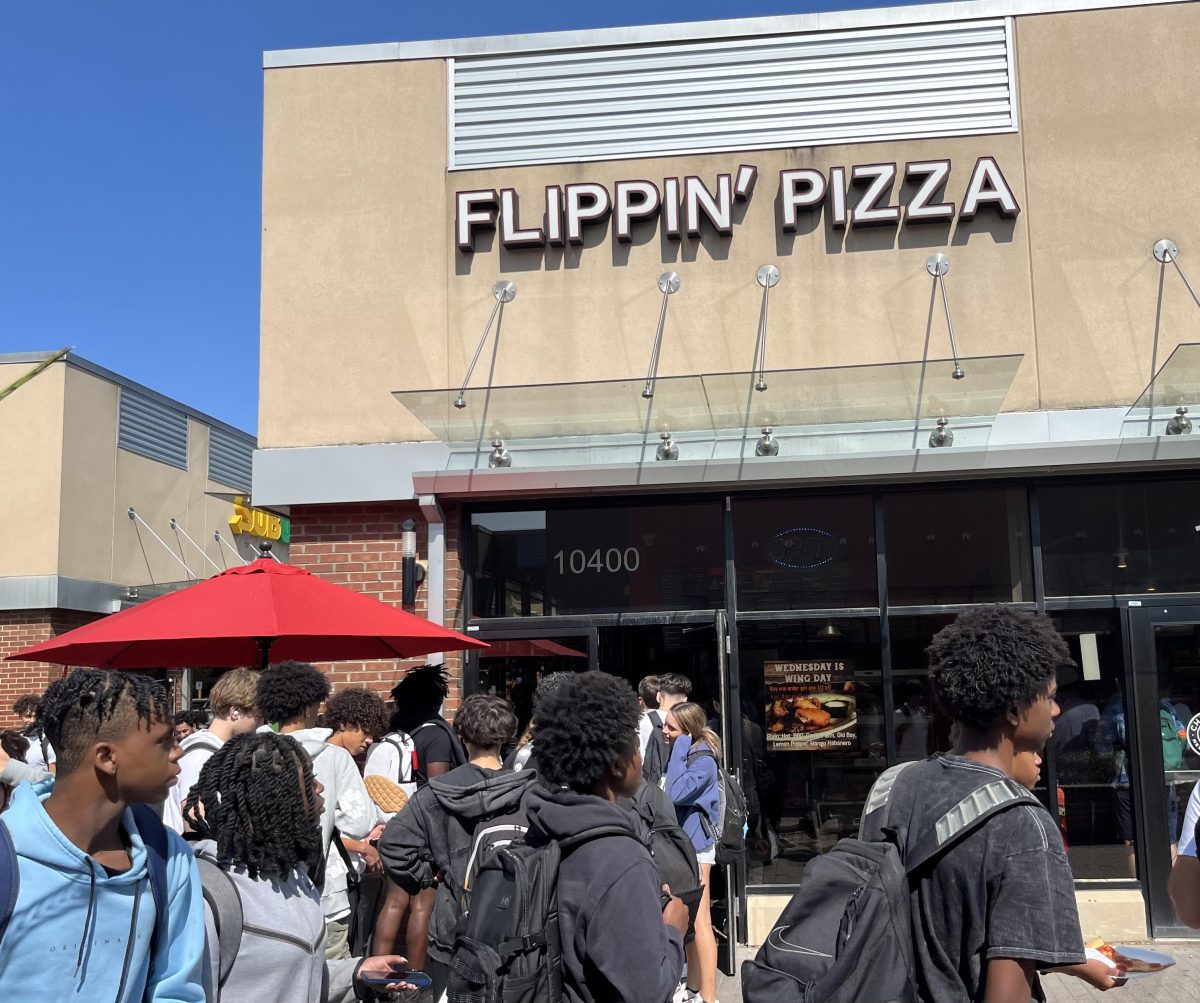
{"points": [[19, 629], [358, 545]]}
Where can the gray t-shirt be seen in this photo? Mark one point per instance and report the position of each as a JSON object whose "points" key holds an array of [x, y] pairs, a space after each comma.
{"points": [[1004, 891]]}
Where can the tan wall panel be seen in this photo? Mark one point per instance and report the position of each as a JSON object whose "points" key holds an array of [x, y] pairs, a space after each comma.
{"points": [[1108, 108], [158, 492], [31, 459], [354, 254], [89, 477]]}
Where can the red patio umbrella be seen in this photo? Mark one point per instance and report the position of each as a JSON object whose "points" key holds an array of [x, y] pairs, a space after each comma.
{"points": [[264, 611]]}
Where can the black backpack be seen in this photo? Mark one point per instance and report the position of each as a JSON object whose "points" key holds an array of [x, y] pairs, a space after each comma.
{"points": [[511, 951], [847, 934], [672, 850], [656, 753], [733, 816]]}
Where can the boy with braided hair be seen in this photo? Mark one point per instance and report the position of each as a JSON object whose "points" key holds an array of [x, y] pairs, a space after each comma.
{"points": [[108, 903]]}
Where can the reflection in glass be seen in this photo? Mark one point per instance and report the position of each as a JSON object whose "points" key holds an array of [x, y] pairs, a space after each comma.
{"points": [[958, 546], [918, 729], [597, 560], [815, 552], [1177, 650], [815, 697], [1116, 539]]}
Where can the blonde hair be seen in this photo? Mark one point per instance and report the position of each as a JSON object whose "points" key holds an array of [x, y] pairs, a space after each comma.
{"points": [[694, 722], [237, 688]]}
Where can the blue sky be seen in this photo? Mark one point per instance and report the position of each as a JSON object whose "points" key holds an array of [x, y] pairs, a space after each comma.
{"points": [[130, 180]]}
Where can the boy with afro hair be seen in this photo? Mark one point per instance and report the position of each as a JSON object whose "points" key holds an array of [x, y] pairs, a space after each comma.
{"points": [[93, 861], [998, 906], [620, 944]]}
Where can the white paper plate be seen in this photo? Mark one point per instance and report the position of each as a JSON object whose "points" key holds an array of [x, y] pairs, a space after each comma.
{"points": [[1139, 954]]}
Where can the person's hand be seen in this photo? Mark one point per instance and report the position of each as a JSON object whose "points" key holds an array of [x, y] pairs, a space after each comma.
{"points": [[380, 967], [675, 913], [370, 856], [1098, 974], [375, 833]]}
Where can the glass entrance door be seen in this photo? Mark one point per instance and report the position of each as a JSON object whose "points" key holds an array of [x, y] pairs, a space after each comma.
{"points": [[1165, 645]]}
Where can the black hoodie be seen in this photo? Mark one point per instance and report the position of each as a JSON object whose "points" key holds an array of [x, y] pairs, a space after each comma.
{"points": [[433, 834], [614, 940]]}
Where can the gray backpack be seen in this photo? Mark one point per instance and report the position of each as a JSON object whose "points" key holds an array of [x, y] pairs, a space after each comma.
{"points": [[846, 936]]}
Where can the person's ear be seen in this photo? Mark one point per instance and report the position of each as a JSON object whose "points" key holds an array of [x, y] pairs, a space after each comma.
{"points": [[1014, 716], [104, 758]]}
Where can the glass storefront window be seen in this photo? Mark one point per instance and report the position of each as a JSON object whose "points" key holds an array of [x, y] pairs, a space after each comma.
{"points": [[1115, 539], [813, 691], [958, 546], [815, 552], [597, 560], [1177, 651], [919, 730]]}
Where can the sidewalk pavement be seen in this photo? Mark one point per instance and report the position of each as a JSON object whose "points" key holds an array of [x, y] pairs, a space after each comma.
{"points": [[1180, 984]]}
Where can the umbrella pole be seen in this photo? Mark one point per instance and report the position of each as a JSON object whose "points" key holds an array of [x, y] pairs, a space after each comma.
{"points": [[264, 652]]}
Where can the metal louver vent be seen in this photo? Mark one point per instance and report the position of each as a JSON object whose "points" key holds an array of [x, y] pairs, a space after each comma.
{"points": [[152, 429], [229, 459], [814, 89]]}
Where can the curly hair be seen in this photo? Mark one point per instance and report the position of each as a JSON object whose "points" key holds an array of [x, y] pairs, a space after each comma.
{"points": [[357, 708], [675, 684], [485, 720], [90, 706], [286, 690], [256, 798], [992, 659], [419, 696], [585, 725], [26, 705], [195, 718]]}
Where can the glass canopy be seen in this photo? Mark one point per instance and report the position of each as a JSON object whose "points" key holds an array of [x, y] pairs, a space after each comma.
{"points": [[716, 403], [1176, 385]]}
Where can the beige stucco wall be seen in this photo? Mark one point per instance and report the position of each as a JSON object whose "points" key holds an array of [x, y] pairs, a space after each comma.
{"points": [[364, 292], [31, 461]]}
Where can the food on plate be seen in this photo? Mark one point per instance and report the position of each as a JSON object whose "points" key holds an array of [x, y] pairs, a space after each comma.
{"points": [[1131, 965], [813, 718]]}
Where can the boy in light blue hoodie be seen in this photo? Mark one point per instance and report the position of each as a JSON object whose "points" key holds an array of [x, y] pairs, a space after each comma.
{"points": [[85, 926]]}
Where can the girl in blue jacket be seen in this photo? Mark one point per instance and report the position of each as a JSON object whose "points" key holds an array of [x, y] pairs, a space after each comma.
{"points": [[692, 783]]}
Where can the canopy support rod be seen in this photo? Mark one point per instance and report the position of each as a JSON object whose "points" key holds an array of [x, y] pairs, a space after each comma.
{"points": [[668, 283], [264, 652], [228, 546], [505, 292], [166, 546], [768, 277], [183, 532], [938, 265]]}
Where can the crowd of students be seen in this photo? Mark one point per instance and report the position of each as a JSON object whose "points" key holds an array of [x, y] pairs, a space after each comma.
{"points": [[316, 847]]}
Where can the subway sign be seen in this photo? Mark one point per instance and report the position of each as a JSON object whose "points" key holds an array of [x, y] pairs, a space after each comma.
{"points": [[259, 523], [862, 195]]}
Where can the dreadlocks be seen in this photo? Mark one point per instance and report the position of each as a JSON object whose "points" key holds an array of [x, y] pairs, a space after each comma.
{"points": [[256, 798], [90, 706], [419, 696]]}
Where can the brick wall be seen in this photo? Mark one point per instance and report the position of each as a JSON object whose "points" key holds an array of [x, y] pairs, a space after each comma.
{"points": [[358, 545], [20, 629]]}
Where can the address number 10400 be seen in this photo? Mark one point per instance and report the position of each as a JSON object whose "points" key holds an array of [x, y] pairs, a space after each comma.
{"points": [[613, 561]]}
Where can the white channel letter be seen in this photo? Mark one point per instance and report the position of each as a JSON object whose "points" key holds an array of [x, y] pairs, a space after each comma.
{"points": [[554, 216], [473, 209], [670, 208], [838, 216], [802, 188], [511, 233], [921, 209], [869, 212], [718, 209], [989, 187], [634, 200], [586, 203], [747, 174]]}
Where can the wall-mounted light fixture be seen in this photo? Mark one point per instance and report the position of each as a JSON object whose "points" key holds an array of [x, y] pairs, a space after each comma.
{"points": [[941, 436], [412, 573], [668, 285], [1122, 556], [1181, 424], [500, 456], [768, 445], [938, 265], [667, 450]]}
